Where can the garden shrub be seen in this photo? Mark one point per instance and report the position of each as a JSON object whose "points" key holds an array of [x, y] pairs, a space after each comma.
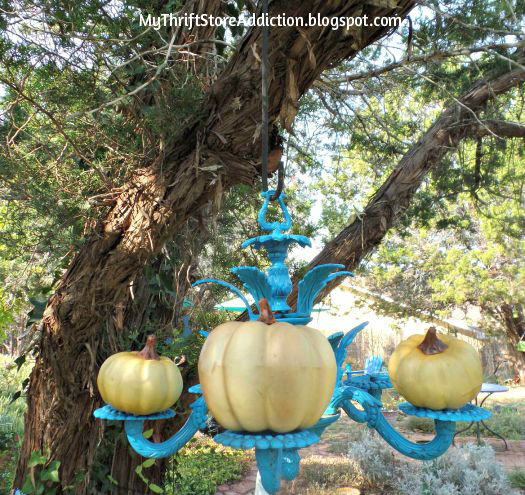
{"points": [[12, 381], [517, 479], [372, 461], [7, 436], [201, 466], [368, 465], [7, 471], [467, 470]]}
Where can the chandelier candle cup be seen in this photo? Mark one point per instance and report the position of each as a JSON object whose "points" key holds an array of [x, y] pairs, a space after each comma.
{"points": [[436, 372], [140, 383], [266, 375]]}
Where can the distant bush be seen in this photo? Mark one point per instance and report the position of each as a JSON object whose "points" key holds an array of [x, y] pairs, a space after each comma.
{"points": [[422, 425], [12, 412], [508, 421]]}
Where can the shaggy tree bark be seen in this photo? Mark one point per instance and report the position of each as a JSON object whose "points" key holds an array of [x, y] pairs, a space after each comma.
{"points": [[218, 149], [138, 314], [458, 121], [513, 317]]}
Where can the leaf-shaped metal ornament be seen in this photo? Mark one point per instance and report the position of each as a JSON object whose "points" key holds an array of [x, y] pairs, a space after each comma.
{"points": [[315, 281], [334, 340], [233, 289], [255, 281], [342, 348]]}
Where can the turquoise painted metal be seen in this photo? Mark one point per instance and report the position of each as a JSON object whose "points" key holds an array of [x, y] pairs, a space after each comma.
{"points": [[277, 454], [276, 285]]}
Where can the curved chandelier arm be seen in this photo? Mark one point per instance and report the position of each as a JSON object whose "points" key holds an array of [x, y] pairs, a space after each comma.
{"points": [[152, 450], [373, 415], [343, 344], [230, 287], [353, 413], [345, 393], [422, 451], [341, 349]]}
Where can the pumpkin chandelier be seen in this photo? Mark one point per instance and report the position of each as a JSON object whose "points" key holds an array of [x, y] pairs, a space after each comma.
{"points": [[276, 384]]}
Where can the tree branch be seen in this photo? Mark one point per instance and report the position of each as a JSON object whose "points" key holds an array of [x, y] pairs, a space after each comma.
{"points": [[500, 128], [389, 202], [434, 56]]}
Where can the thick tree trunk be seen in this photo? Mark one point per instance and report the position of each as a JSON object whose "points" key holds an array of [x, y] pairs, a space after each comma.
{"points": [[218, 149], [389, 202], [513, 318], [165, 317]]}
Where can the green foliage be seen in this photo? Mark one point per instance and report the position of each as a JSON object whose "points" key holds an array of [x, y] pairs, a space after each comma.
{"points": [[7, 469], [517, 479], [460, 242], [47, 475], [11, 417], [201, 466], [12, 380], [140, 473]]}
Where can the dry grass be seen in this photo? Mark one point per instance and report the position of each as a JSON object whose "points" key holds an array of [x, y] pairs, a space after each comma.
{"points": [[515, 394]]}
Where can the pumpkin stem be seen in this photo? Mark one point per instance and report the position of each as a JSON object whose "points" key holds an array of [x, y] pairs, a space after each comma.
{"points": [[431, 344], [149, 349], [266, 315]]}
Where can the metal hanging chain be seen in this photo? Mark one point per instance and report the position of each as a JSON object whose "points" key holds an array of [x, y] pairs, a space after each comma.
{"points": [[280, 182], [264, 96], [265, 111]]}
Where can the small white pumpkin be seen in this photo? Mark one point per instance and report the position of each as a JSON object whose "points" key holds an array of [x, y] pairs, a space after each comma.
{"points": [[140, 382], [437, 373]]}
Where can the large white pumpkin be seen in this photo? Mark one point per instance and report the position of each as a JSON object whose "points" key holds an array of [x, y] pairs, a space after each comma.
{"points": [[257, 376]]}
